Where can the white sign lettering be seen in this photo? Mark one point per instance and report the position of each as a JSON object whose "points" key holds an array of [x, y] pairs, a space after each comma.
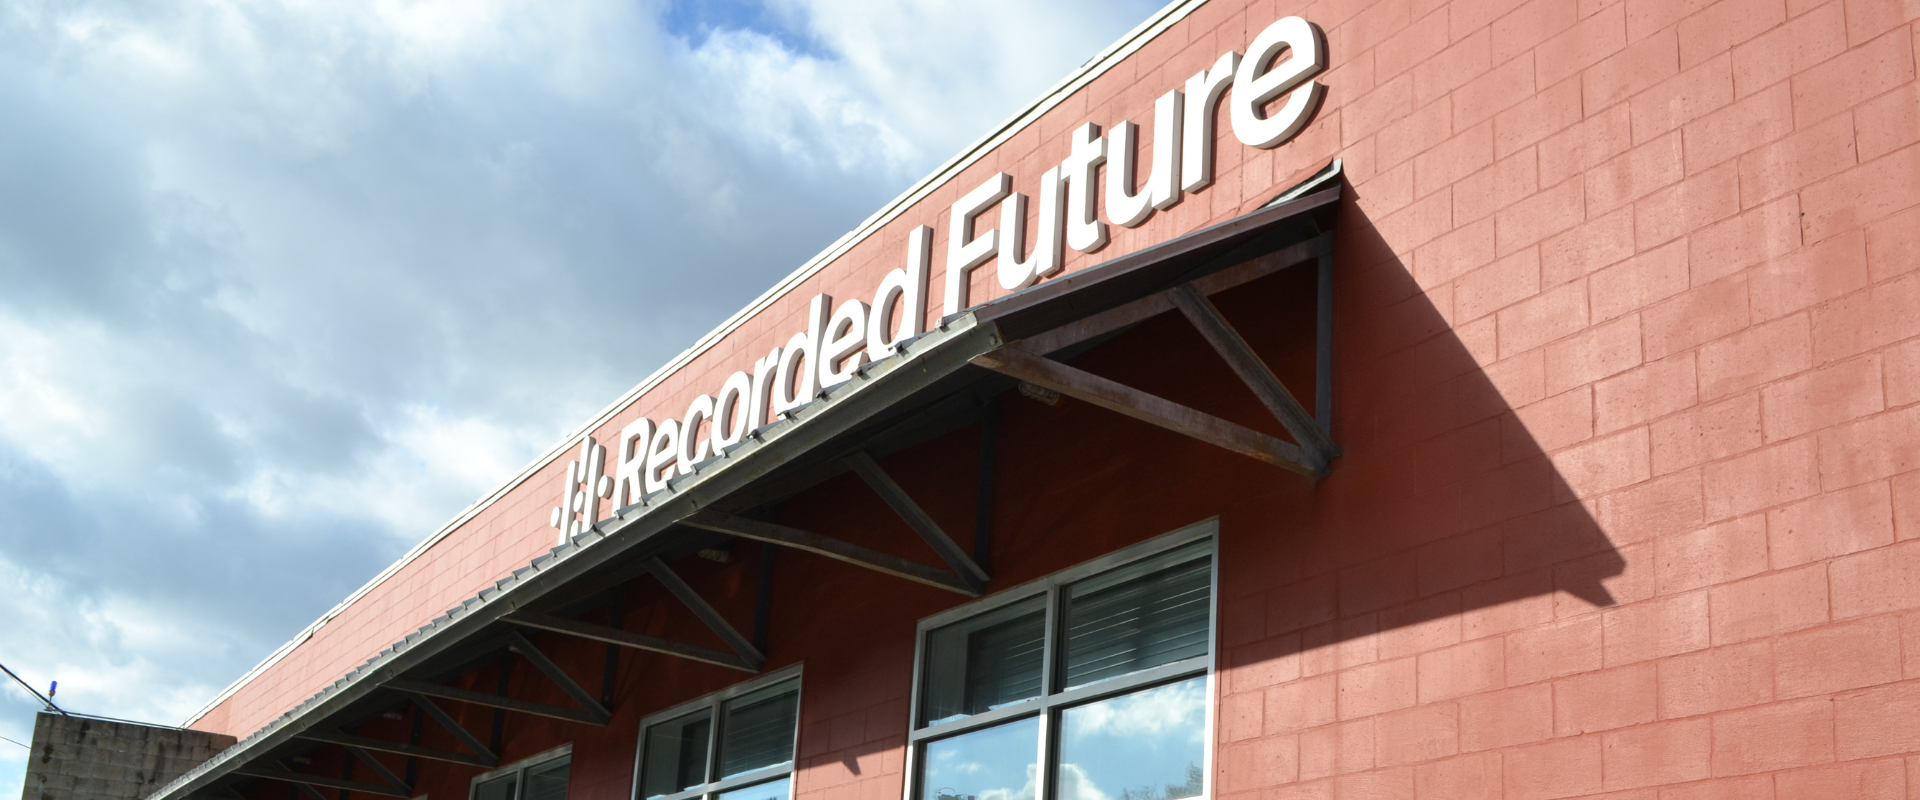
{"points": [[839, 339]]}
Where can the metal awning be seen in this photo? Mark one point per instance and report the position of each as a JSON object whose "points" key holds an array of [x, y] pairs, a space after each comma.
{"points": [[934, 384]]}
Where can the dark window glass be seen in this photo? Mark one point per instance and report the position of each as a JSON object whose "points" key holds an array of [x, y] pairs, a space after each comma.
{"points": [[677, 754], [984, 663], [756, 730], [500, 788], [548, 781], [1138, 618]]}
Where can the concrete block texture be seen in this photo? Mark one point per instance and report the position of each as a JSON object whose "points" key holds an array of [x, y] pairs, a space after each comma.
{"points": [[1628, 384], [82, 758]]}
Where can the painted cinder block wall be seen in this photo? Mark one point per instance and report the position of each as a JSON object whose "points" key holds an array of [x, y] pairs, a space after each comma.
{"points": [[85, 758], [1627, 365]]}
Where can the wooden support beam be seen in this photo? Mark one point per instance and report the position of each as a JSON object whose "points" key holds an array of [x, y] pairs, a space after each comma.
{"points": [[983, 485], [776, 489], [1323, 347], [1100, 324], [1114, 319], [1082, 385], [494, 701], [835, 549], [705, 612], [560, 678], [311, 793], [637, 641], [364, 757], [1239, 355], [454, 727], [308, 779], [400, 748], [573, 593], [917, 519], [308, 791]]}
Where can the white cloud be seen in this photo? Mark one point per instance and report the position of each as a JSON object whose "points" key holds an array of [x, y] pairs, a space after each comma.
{"points": [[294, 282], [1177, 707], [110, 652], [1072, 782], [1026, 791], [799, 106], [430, 463]]}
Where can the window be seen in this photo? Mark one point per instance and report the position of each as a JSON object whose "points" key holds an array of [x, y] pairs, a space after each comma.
{"points": [[733, 745], [1088, 685], [542, 777]]}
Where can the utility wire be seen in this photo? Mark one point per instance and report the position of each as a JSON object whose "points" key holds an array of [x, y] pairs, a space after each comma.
{"points": [[36, 692], [5, 739]]}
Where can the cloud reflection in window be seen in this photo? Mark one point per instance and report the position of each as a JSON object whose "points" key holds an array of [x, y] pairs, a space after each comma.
{"points": [[1147, 745]]}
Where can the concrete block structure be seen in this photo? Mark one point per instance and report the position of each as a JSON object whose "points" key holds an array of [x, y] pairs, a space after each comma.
{"points": [[1511, 399], [87, 758]]}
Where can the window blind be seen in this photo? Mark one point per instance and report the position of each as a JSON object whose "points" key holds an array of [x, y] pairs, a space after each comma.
{"points": [[1127, 622], [500, 788], [547, 781], [677, 754], [756, 730], [985, 663]]}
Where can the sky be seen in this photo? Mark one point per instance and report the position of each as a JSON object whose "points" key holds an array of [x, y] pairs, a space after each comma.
{"points": [[285, 285]]}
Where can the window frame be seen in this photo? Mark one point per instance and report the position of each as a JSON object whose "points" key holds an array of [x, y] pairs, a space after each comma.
{"points": [[1051, 702], [712, 703], [521, 767]]}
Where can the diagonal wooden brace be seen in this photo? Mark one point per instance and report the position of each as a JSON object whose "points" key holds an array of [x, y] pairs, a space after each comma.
{"points": [[917, 519], [306, 789], [360, 754], [398, 748], [495, 701], [705, 612], [836, 549], [626, 638], [445, 720], [1019, 363], [1234, 349], [308, 779], [560, 678]]}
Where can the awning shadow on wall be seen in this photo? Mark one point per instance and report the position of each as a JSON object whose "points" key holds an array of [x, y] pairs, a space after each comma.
{"points": [[1446, 520]]}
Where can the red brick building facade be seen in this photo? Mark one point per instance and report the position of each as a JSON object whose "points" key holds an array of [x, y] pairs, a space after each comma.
{"points": [[1625, 361]]}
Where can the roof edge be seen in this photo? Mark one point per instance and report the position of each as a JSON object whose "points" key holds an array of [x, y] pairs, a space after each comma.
{"points": [[1132, 41]]}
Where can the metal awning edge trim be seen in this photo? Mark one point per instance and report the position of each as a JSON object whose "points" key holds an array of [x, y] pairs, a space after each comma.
{"points": [[926, 359], [919, 363]]}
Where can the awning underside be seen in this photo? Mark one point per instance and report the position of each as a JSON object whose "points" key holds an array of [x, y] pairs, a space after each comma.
{"points": [[937, 383]]}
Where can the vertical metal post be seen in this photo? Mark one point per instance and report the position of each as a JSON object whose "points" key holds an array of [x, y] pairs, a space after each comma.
{"points": [[616, 618], [983, 498], [500, 714], [1323, 345], [346, 766], [413, 738], [763, 604]]}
